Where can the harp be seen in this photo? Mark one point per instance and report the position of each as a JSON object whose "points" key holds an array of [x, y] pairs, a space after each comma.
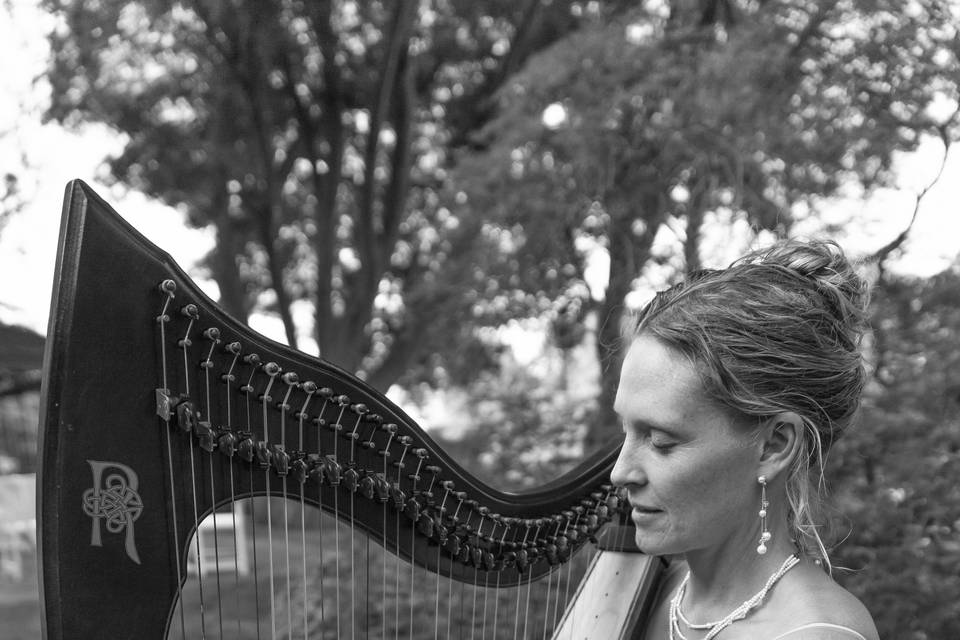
{"points": [[167, 427]]}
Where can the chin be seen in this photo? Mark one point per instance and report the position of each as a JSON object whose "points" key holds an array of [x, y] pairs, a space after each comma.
{"points": [[652, 546]]}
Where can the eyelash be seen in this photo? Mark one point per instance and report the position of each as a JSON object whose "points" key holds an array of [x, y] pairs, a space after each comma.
{"points": [[662, 448]]}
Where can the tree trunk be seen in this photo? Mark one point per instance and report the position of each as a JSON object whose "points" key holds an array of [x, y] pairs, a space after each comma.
{"points": [[628, 255]]}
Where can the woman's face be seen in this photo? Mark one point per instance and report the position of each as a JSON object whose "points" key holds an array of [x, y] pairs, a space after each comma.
{"points": [[690, 473]]}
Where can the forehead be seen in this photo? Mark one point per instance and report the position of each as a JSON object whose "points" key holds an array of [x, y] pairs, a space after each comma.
{"points": [[658, 384]]}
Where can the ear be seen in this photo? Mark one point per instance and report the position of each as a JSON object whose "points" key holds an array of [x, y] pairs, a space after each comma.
{"points": [[781, 437]]}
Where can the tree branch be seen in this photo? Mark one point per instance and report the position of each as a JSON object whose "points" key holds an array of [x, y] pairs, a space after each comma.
{"points": [[883, 253], [367, 232], [326, 324]]}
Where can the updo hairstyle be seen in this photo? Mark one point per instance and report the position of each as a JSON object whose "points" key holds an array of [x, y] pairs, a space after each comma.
{"points": [[778, 330]]}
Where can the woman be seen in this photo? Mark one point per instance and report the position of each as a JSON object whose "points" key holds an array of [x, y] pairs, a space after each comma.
{"points": [[734, 386]]}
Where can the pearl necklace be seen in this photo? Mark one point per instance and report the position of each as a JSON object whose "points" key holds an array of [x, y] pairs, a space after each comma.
{"points": [[676, 615]]}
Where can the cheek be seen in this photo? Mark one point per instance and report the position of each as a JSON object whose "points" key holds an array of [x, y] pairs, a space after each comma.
{"points": [[705, 488]]}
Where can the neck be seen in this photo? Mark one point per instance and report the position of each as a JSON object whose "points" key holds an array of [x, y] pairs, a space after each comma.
{"points": [[723, 578]]}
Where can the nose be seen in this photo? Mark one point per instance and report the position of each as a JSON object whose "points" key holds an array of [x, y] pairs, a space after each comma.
{"points": [[627, 470]]}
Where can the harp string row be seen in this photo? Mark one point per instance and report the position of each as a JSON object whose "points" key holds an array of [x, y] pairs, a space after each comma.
{"points": [[448, 531]]}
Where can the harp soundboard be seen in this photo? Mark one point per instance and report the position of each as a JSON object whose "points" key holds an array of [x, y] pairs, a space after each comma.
{"points": [[168, 427]]}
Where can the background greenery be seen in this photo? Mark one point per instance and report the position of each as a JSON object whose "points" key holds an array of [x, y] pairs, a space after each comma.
{"points": [[421, 175]]}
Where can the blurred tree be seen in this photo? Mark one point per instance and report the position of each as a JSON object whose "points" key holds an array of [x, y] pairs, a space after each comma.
{"points": [[10, 199], [416, 170], [314, 137], [682, 112], [896, 473]]}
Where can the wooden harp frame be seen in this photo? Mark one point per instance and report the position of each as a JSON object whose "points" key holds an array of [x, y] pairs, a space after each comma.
{"points": [[146, 384]]}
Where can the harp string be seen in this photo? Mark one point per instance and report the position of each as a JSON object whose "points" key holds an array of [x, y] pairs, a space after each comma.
{"points": [[535, 604], [336, 426], [320, 422], [253, 360], [405, 441], [486, 594], [413, 538], [167, 287], [189, 423], [206, 438], [290, 379], [385, 453], [227, 447], [516, 604], [548, 598], [359, 410], [264, 458], [309, 388]]}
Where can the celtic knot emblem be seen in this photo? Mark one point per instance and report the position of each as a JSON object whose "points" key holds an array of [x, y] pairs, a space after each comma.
{"points": [[113, 501]]}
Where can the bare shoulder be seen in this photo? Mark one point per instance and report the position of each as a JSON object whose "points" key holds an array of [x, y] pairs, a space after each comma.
{"points": [[810, 605]]}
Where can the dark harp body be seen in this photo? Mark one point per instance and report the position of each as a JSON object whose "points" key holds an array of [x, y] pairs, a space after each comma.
{"points": [[159, 408]]}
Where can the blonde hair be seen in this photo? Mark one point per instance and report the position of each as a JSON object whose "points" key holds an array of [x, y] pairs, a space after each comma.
{"points": [[778, 330]]}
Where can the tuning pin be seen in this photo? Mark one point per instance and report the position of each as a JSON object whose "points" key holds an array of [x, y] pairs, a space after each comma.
{"points": [[368, 487], [280, 460], [453, 544], [325, 392], [245, 448], [205, 436], [351, 479], [186, 417], [464, 554], [300, 468], [550, 552], [440, 530], [272, 369], [331, 470], [398, 496], [381, 488], [522, 560], [263, 454], [412, 509], [424, 523], [227, 443], [169, 287]]}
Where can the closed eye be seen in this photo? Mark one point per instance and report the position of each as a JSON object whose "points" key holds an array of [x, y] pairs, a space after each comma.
{"points": [[661, 444], [657, 439]]}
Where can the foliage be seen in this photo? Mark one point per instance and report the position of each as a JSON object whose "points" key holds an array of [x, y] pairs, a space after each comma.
{"points": [[417, 175], [525, 428], [10, 200], [897, 473], [314, 137], [674, 115], [319, 138]]}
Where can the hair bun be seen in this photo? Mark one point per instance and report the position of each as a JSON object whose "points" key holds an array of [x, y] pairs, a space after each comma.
{"points": [[824, 263]]}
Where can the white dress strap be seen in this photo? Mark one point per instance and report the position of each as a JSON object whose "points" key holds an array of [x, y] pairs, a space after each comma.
{"points": [[823, 625]]}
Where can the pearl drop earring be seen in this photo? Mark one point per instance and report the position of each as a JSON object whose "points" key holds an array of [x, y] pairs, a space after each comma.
{"points": [[764, 533]]}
